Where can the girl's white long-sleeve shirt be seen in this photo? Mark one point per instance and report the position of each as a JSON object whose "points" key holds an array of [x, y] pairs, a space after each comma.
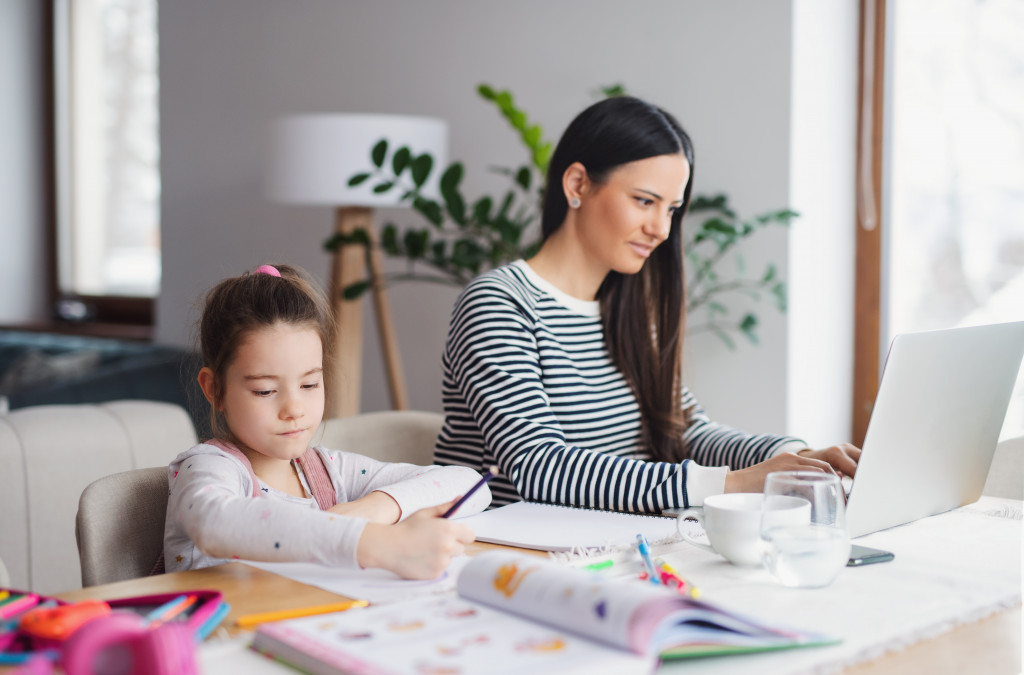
{"points": [[212, 516]]}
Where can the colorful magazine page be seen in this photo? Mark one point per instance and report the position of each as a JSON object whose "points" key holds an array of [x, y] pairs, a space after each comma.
{"points": [[515, 613]]}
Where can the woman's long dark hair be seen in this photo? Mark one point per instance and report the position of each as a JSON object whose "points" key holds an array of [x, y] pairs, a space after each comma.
{"points": [[643, 314]]}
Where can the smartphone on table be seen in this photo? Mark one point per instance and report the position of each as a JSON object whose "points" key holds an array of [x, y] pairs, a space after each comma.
{"points": [[865, 555]]}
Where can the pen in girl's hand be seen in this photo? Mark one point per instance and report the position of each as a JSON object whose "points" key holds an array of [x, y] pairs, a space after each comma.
{"points": [[491, 473]]}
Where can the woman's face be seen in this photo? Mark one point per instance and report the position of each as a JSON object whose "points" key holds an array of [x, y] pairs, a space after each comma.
{"points": [[622, 220]]}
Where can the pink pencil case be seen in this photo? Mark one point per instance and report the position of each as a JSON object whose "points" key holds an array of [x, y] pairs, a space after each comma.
{"points": [[80, 635]]}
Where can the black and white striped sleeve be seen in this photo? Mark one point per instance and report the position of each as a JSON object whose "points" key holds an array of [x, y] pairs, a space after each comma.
{"points": [[714, 444], [493, 359]]}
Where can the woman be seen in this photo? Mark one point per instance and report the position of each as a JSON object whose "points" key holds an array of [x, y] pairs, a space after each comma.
{"points": [[566, 370]]}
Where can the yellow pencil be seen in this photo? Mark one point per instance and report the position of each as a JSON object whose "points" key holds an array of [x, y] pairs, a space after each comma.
{"points": [[250, 620]]}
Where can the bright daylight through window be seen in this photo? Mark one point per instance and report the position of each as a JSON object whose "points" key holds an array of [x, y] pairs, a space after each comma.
{"points": [[956, 255], [108, 148]]}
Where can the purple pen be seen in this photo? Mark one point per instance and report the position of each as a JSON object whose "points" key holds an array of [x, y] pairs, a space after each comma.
{"points": [[491, 473]]}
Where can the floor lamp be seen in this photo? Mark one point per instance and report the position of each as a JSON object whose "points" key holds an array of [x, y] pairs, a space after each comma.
{"points": [[311, 161]]}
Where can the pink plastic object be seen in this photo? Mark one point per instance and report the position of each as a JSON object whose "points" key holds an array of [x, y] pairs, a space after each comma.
{"points": [[125, 643]]}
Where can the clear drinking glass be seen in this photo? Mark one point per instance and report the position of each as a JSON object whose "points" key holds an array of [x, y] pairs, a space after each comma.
{"points": [[809, 554]]}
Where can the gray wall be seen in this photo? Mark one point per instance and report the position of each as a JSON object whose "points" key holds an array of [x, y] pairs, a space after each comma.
{"points": [[229, 67], [22, 180]]}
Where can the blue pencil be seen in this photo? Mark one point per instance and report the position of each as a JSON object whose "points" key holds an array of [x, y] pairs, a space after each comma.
{"points": [[491, 473], [645, 556], [158, 613], [212, 622]]}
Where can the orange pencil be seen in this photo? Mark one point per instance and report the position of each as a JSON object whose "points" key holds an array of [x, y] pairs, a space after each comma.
{"points": [[250, 620]]}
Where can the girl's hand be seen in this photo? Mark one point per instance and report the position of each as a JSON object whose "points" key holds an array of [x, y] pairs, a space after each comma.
{"points": [[420, 547], [377, 507], [752, 479]]}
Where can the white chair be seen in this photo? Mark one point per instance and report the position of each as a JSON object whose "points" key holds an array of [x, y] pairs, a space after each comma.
{"points": [[1006, 477], [390, 436], [49, 454]]}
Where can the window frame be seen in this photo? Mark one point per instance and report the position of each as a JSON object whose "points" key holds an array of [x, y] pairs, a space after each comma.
{"points": [[867, 325], [112, 315]]}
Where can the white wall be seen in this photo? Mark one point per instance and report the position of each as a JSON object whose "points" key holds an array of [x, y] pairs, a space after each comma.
{"points": [[229, 67], [22, 180], [822, 241]]}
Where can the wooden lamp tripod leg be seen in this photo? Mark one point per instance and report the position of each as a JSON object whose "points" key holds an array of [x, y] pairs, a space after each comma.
{"points": [[349, 266]]}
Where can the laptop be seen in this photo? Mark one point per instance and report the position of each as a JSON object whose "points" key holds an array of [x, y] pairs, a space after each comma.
{"points": [[941, 402]]}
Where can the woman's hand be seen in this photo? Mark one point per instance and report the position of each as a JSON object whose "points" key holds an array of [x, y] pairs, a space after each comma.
{"points": [[420, 547], [752, 478], [377, 507], [843, 457]]}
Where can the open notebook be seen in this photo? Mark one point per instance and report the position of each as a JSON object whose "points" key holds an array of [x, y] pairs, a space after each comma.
{"points": [[550, 527]]}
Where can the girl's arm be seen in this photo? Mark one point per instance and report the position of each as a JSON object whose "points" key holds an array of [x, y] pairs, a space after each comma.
{"points": [[210, 505], [387, 492]]}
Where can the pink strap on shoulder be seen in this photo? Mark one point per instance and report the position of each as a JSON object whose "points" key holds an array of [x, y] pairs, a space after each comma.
{"points": [[312, 465], [319, 480]]}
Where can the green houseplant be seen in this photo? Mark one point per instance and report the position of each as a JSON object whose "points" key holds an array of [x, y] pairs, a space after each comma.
{"points": [[464, 237]]}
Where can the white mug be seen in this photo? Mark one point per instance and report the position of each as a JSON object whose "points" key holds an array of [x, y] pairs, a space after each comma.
{"points": [[733, 523]]}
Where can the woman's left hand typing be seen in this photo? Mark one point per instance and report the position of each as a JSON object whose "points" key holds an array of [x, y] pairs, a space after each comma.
{"points": [[843, 457]]}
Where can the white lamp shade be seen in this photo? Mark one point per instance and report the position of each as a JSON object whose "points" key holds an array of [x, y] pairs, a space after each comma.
{"points": [[312, 157]]}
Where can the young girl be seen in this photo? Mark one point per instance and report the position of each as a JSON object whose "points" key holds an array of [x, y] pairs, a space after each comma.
{"points": [[566, 370], [257, 490]]}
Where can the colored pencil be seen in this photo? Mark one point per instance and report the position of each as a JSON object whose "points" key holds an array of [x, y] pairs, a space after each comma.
{"points": [[250, 620]]}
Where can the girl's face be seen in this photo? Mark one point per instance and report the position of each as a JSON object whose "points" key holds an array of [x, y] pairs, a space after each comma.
{"points": [[273, 395], [622, 220]]}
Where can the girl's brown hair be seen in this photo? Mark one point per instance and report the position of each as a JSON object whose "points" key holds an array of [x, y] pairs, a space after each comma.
{"points": [[253, 301]]}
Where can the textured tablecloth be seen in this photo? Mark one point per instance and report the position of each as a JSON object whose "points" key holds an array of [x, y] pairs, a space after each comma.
{"points": [[950, 569]]}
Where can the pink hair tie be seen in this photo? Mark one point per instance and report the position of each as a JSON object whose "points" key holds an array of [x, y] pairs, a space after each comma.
{"points": [[267, 269]]}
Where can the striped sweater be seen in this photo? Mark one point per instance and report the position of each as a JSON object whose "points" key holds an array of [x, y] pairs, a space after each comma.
{"points": [[529, 386]]}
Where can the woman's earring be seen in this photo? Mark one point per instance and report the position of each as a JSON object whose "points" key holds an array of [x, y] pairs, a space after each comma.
{"points": [[574, 202]]}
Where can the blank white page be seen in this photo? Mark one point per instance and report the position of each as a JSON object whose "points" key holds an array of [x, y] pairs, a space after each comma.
{"points": [[549, 527]]}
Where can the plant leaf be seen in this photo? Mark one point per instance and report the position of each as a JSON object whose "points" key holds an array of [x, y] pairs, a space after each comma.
{"points": [[401, 160], [724, 337], [358, 179], [541, 157], [781, 296], [382, 187], [453, 200], [748, 326], [416, 243], [421, 167], [353, 291], [430, 210], [451, 177], [379, 152], [482, 209], [523, 178], [389, 239], [486, 92]]}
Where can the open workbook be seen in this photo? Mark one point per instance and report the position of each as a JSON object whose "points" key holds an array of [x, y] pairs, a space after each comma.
{"points": [[516, 613]]}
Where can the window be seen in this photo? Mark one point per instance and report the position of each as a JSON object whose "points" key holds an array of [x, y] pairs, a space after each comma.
{"points": [[108, 175], [952, 238]]}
